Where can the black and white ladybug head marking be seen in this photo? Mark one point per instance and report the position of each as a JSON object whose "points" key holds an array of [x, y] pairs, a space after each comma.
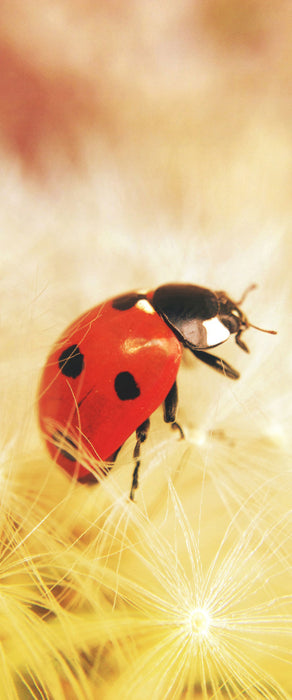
{"points": [[232, 317], [200, 318]]}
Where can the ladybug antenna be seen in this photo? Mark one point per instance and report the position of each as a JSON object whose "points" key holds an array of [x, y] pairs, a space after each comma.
{"points": [[264, 330], [249, 289], [245, 323], [245, 293]]}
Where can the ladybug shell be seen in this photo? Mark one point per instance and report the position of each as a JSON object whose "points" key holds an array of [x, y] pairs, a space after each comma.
{"points": [[123, 363]]}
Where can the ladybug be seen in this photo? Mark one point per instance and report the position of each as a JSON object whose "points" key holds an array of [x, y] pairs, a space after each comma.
{"points": [[118, 362]]}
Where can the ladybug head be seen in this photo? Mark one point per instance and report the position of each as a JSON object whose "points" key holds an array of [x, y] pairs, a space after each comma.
{"points": [[201, 319], [233, 317]]}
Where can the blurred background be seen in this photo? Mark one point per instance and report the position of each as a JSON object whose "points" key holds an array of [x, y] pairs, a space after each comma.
{"points": [[125, 126]]}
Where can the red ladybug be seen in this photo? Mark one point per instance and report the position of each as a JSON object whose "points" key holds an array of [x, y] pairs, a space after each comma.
{"points": [[118, 362]]}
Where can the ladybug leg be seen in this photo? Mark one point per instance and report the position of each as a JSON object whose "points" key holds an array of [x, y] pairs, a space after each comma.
{"points": [[217, 363], [141, 435], [240, 342], [169, 409]]}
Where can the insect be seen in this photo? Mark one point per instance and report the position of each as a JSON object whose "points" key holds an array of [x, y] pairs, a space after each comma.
{"points": [[118, 362]]}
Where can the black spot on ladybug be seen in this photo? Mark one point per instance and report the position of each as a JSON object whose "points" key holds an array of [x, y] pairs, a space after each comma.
{"points": [[59, 439], [126, 386], [71, 362], [126, 301]]}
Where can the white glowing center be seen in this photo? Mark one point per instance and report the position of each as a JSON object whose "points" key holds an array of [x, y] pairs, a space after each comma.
{"points": [[216, 331], [200, 621]]}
